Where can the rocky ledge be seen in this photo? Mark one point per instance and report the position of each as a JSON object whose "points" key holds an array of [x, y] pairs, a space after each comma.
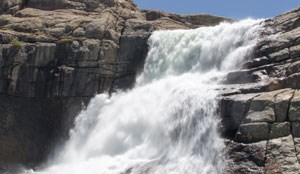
{"points": [[55, 55], [261, 111]]}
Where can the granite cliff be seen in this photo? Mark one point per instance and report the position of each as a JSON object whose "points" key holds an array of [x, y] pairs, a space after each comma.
{"points": [[56, 55], [260, 103]]}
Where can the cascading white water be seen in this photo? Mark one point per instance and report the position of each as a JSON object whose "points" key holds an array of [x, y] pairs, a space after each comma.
{"points": [[168, 122]]}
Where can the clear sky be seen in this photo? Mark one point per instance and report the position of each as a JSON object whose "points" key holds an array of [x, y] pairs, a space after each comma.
{"points": [[237, 9]]}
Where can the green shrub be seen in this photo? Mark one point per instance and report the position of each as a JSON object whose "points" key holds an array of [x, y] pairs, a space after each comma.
{"points": [[16, 42]]}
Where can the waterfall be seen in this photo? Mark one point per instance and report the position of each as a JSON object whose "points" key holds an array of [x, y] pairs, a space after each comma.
{"points": [[166, 124]]}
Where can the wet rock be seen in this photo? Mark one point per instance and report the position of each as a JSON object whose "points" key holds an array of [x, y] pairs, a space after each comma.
{"points": [[256, 62], [240, 77], [233, 109], [131, 61], [21, 138]]}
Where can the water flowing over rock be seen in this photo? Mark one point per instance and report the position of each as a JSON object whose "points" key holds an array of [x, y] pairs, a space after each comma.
{"points": [[57, 55], [170, 124]]}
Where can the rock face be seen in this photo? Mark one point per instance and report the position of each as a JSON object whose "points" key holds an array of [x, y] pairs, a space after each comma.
{"points": [[263, 136], [55, 55]]}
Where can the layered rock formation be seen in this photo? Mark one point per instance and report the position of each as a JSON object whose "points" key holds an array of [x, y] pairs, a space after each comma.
{"points": [[260, 111], [56, 55]]}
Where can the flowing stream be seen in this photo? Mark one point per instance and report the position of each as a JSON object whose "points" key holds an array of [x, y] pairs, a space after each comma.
{"points": [[166, 124]]}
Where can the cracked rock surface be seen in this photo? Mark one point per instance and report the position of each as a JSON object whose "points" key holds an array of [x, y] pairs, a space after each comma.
{"points": [[55, 55], [261, 123]]}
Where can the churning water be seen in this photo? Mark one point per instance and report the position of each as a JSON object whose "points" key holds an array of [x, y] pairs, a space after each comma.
{"points": [[167, 124]]}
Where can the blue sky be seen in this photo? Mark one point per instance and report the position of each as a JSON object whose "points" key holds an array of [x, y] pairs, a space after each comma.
{"points": [[237, 9]]}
